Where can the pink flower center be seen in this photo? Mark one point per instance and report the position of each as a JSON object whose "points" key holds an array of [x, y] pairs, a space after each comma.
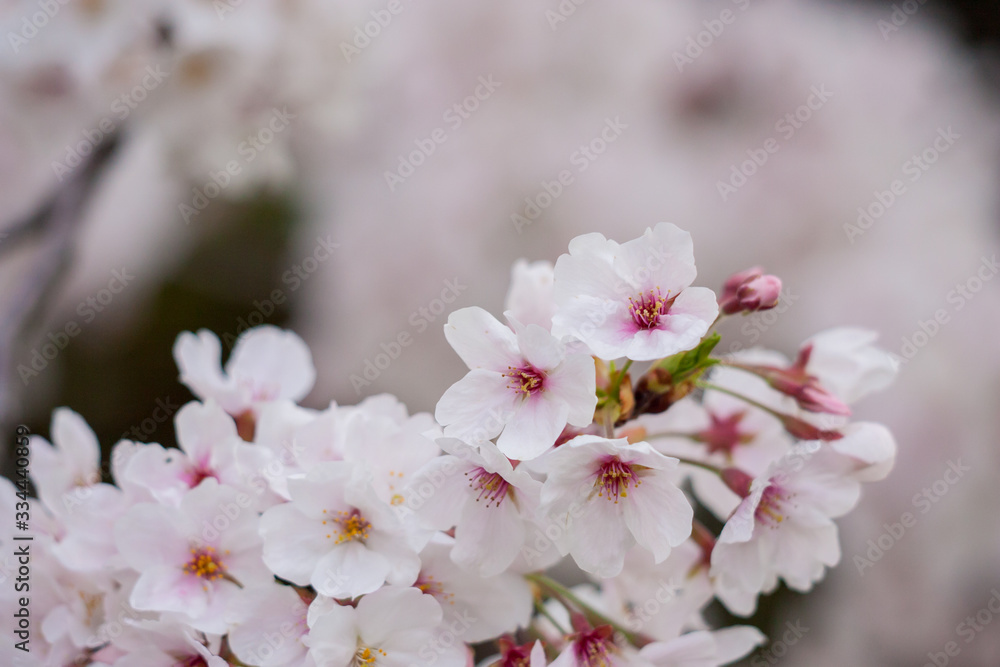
{"points": [[205, 564], [490, 485], [649, 307], [723, 434], [197, 473], [614, 478], [773, 506], [352, 526], [526, 379], [594, 647], [431, 586]]}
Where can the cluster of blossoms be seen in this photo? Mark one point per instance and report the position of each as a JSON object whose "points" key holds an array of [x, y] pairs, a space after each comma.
{"points": [[363, 536]]}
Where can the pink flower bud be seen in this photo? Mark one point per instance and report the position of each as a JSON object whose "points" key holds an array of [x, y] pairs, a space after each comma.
{"points": [[738, 481], [760, 293], [749, 291]]}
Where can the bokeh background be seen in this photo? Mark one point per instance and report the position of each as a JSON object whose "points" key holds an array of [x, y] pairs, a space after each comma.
{"points": [[344, 168]]}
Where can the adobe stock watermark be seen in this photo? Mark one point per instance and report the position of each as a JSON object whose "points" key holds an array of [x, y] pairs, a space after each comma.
{"points": [[35, 22], [912, 169], [365, 34], [785, 127], [562, 12], [581, 158], [419, 320], [923, 501], [697, 43], [899, 16], [88, 309], [957, 298], [779, 648], [246, 152], [968, 630], [453, 118], [294, 277], [123, 105]]}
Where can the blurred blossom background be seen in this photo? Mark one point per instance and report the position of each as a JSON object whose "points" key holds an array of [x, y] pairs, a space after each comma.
{"points": [[355, 170]]}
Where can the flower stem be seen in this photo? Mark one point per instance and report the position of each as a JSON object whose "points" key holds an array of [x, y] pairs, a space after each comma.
{"points": [[569, 598]]}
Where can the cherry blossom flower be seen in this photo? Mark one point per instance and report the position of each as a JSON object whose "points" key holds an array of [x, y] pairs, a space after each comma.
{"points": [[337, 536], [391, 627], [84, 510], [608, 495], [477, 491], [192, 558], [523, 382], [784, 527], [209, 448], [635, 299], [723, 430], [266, 364]]}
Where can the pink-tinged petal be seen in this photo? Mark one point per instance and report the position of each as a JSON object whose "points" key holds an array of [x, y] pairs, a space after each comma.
{"points": [[530, 297], [350, 570], [540, 348], [393, 611], [739, 527], [586, 271], [439, 491], [166, 588], [160, 471], [477, 406], [848, 363], [293, 544], [804, 552], [599, 538], [480, 340], [77, 444], [147, 536], [658, 514], [262, 614], [534, 428], [872, 446], [211, 509], [201, 426], [273, 363], [537, 655], [489, 538], [604, 325], [199, 358], [575, 381], [662, 257], [322, 489], [740, 574]]}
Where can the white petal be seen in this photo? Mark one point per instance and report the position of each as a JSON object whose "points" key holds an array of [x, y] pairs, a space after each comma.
{"points": [[274, 361], [480, 340], [477, 406], [658, 514], [534, 427]]}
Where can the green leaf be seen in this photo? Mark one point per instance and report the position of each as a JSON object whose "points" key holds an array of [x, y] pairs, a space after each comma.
{"points": [[684, 364]]}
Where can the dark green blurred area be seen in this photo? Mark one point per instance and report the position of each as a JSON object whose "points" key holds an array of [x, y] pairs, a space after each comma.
{"points": [[118, 383]]}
